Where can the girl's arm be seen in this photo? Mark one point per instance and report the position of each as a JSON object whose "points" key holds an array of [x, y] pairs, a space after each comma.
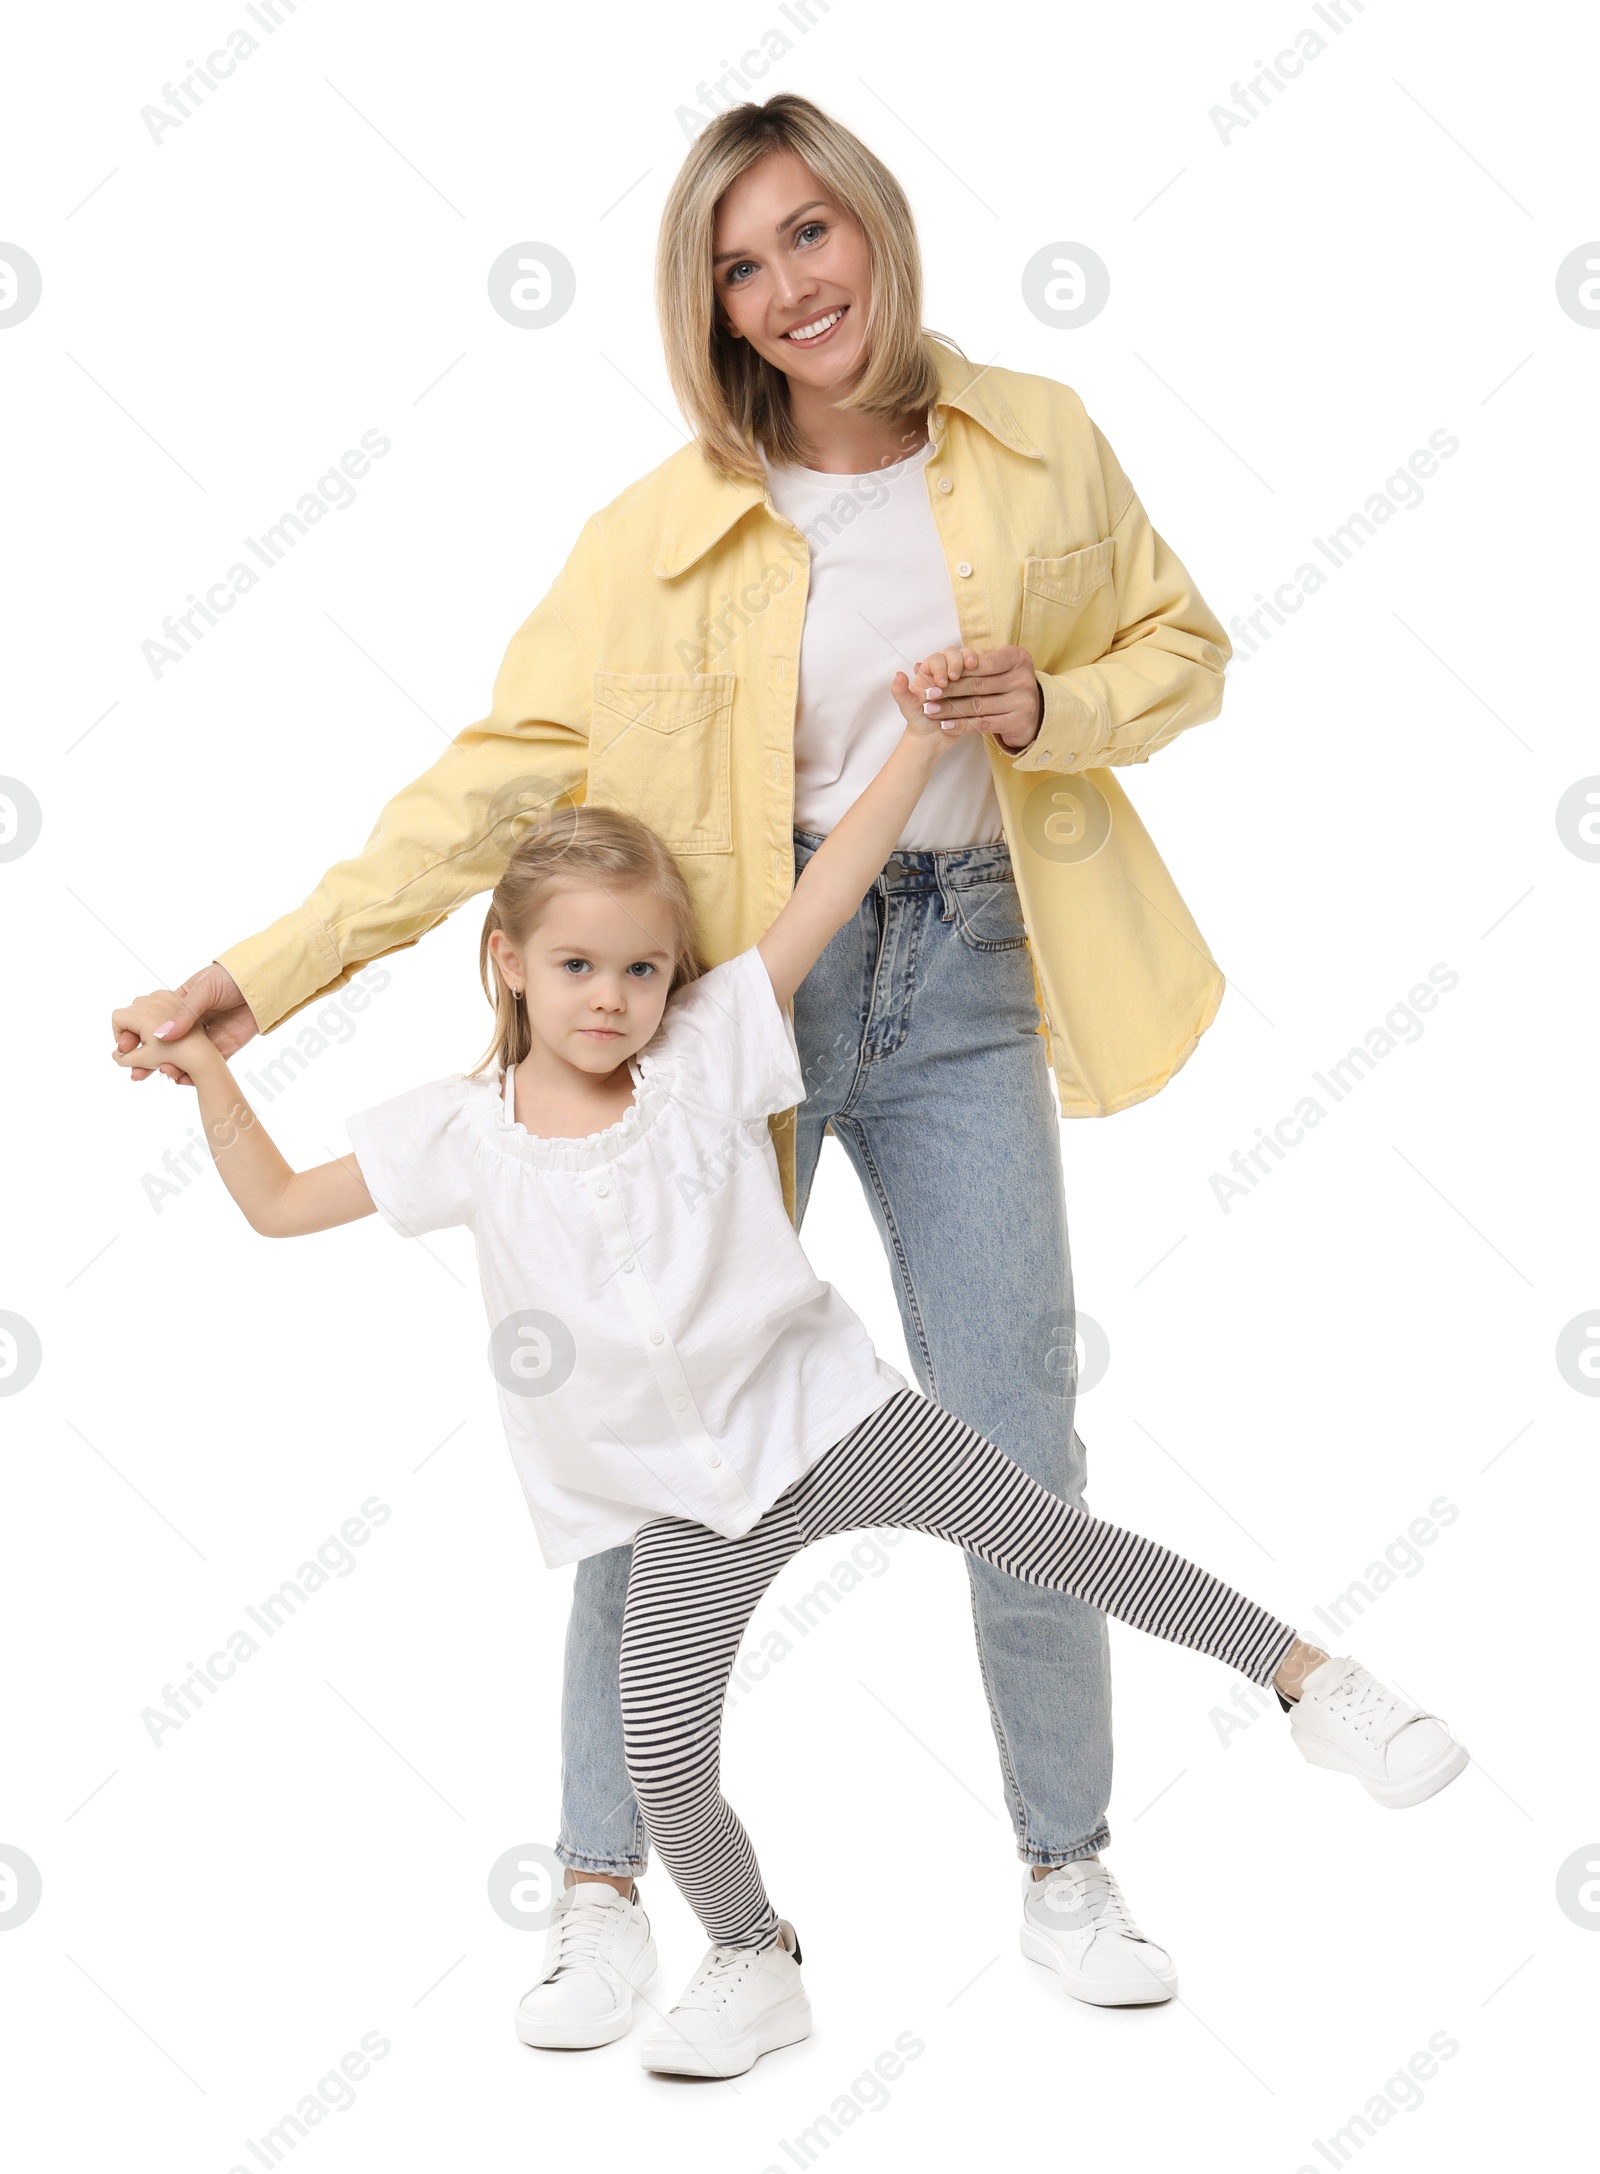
{"points": [[839, 874], [277, 1201]]}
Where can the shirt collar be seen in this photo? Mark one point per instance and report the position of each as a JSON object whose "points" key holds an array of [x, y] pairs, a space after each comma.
{"points": [[701, 511]]}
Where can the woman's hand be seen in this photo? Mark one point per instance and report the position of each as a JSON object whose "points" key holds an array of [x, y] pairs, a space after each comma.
{"points": [[996, 692], [138, 1049]]}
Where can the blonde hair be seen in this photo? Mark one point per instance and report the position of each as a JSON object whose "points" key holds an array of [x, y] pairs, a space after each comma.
{"points": [[573, 848], [732, 396]]}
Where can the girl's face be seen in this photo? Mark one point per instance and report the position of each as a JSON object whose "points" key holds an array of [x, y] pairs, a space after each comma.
{"points": [[789, 261], [595, 970]]}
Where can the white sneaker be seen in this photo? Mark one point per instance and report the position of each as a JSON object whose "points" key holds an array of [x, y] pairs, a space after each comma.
{"points": [[1076, 1922], [597, 1952], [737, 2006], [1346, 1719]]}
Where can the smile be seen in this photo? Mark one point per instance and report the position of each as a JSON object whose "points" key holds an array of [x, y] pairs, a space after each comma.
{"points": [[818, 329]]}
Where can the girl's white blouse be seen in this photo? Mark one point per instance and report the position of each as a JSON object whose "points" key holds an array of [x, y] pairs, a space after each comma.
{"points": [[659, 1342]]}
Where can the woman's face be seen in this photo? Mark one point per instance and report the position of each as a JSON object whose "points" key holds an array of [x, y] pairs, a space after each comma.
{"points": [[788, 260]]}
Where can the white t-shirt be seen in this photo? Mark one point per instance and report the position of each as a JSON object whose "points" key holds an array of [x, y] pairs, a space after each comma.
{"points": [[661, 1345], [879, 599]]}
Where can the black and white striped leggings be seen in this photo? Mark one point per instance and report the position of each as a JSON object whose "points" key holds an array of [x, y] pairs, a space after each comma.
{"points": [[691, 1593]]}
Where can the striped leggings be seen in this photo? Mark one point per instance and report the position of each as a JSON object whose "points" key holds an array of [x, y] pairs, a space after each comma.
{"points": [[691, 1593]]}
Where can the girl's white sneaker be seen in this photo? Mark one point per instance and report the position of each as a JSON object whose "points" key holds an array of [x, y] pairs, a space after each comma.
{"points": [[598, 1951], [1346, 1719], [738, 2005]]}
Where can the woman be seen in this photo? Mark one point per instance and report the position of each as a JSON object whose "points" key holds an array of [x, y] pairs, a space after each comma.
{"points": [[715, 657]]}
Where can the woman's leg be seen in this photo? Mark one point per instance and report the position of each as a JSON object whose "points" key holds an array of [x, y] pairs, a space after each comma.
{"points": [[913, 1463], [601, 1830], [690, 1595], [916, 1029]]}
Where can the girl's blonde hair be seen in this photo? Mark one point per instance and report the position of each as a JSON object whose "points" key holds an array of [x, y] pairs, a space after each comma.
{"points": [[732, 396], [574, 848]]}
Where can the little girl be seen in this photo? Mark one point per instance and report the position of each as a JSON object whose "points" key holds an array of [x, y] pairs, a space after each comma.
{"points": [[671, 1372]]}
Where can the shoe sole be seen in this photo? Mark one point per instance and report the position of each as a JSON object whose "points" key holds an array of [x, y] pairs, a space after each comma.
{"points": [[578, 2037], [786, 2026], [1146, 1991], [1394, 1796]]}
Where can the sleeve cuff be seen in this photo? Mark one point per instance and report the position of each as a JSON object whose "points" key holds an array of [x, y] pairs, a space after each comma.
{"points": [[284, 966], [1073, 732], [375, 1173], [782, 1052]]}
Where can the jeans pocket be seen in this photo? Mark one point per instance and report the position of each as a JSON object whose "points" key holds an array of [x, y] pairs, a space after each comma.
{"points": [[989, 915]]}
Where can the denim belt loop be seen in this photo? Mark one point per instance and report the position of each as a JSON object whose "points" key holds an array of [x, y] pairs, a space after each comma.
{"points": [[947, 903]]}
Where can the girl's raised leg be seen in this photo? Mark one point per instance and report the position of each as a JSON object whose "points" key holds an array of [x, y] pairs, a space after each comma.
{"points": [[912, 1463]]}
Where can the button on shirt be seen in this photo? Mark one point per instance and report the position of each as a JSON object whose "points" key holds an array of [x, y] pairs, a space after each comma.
{"points": [[660, 1345], [879, 599]]}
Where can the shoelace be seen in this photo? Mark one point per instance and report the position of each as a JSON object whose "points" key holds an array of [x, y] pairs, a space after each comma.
{"points": [[1089, 1895], [721, 1971], [1364, 1705], [583, 1939]]}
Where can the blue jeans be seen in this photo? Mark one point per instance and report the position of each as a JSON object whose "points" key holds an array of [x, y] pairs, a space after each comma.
{"points": [[917, 1032]]}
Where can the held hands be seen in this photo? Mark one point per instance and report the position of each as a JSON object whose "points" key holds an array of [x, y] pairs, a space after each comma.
{"points": [[211, 999], [138, 1050], [996, 692]]}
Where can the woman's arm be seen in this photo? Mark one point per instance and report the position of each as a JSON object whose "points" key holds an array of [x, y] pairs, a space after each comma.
{"points": [[442, 839], [277, 1201], [838, 875], [447, 835], [1162, 673]]}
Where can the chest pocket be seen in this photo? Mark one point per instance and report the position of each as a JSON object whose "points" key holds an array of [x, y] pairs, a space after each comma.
{"points": [[1069, 607], [660, 745]]}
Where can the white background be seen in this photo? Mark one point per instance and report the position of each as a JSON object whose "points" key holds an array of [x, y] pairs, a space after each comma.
{"points": [[1292, 313]]}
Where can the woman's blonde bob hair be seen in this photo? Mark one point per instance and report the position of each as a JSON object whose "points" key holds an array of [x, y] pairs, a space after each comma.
{"points": [[575, 848], [734, 398]]}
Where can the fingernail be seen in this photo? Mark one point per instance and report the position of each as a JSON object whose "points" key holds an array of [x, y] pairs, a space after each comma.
{"points": [[167, 1027]]}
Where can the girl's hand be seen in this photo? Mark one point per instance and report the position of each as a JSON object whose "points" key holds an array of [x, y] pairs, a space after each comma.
{"points": [[996, 692], [140, 1019], [911, 700]]}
